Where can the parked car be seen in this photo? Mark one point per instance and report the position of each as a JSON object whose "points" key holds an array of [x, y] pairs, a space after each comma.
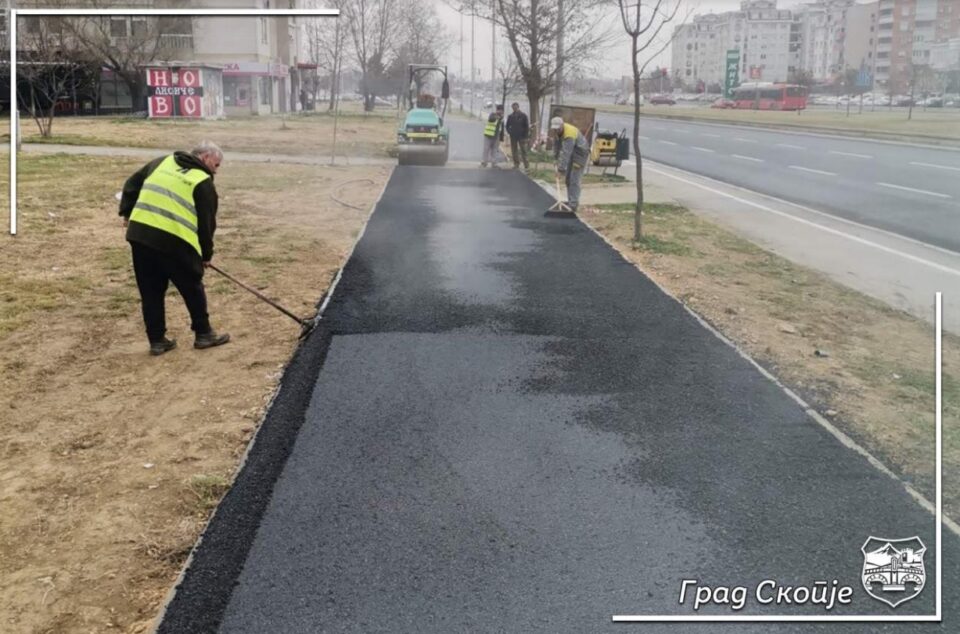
{"points": [[932, 102], [663, 100], [723, 102]]}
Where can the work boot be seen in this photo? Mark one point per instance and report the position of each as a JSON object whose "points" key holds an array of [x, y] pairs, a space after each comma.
{"points": [[210, 339], [159, 347]]}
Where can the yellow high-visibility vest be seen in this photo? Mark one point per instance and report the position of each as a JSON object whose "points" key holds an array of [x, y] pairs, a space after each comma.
{"points": [[166, 201], [491, 128]]}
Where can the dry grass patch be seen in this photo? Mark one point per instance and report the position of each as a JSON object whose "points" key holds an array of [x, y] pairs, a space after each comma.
{"points": [[874, 376], [111, 460], [358, 134]]}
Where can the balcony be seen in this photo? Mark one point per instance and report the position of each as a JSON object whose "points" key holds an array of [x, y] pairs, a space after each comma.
{"points": [[176, 41]]}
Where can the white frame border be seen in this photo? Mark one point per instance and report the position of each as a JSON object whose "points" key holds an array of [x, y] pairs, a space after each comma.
{"points": [[12, 36]]}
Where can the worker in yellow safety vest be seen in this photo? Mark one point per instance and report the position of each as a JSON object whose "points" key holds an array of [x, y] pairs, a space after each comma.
{"points": [[169, 209], [492, 136], [571, 151]]}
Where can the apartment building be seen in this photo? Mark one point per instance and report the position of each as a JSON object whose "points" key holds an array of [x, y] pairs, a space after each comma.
{"points": [[860, 44], [823, 34], [910, 34], [765, 35], [263, 59]]}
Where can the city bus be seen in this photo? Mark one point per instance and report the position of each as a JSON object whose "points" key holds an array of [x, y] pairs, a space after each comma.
{"points": [[771, 96]]}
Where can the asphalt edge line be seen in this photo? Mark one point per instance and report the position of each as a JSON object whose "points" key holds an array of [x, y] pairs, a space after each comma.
{"points": [[322, 303], [818, 212], [844, 439], [846, 134]]}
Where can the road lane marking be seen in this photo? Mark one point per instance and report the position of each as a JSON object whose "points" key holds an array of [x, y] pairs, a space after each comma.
{"points": [[645, 138], [854, 154], [702, 149], [747, 158], [911, 189], [740, 138], [940, 167], [811, 170], [667, 142], [791, 146], [810, 223], [715, 136]]}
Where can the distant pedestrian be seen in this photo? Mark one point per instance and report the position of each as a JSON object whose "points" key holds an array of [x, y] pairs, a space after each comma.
{"points": [[571, 151], [492, 136], [303, 99], [518, 127], [169, 207]]}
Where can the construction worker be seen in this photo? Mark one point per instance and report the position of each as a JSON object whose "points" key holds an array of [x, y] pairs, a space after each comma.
{"points": [[169, 207], [492, 136], [571, 151], [518, 127]]}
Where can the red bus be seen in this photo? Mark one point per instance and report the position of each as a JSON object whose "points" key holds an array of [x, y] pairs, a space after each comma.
{"points": [[770, 96]]}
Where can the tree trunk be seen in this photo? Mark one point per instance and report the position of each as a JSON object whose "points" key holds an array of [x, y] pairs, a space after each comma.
{"points": [[638, 210]]}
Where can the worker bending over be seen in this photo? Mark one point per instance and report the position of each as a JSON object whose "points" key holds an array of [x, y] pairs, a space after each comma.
{"points": [[571, 151], [169, 207]]}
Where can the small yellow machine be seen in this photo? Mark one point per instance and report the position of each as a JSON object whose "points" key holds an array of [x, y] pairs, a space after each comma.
{"points": [[609, 149]]}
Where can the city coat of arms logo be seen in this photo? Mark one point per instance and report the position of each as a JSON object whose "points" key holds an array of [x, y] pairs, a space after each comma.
{"points": [[893, 569]]}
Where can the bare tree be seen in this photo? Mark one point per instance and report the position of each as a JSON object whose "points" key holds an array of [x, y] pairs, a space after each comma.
{"points": [[644, 22], [125, 44], [370, 24], [533, 29], [51, 68], [510, 78], [422, 38], [326, 41]]}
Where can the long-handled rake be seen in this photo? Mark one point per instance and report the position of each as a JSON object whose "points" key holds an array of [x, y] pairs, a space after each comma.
{"points": [[306, 324]]}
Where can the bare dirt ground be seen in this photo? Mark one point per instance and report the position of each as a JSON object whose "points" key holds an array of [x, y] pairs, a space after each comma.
{"points": [[111, 460], [874, 375], [358, 134]]}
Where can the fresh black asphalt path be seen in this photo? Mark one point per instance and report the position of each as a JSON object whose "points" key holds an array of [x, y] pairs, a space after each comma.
{"points": [[502, 426]]}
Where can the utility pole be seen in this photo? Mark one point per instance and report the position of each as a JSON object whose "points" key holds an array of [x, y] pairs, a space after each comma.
{"points": [[461, 58], [493, 49], [473, 52], [560, 25]]}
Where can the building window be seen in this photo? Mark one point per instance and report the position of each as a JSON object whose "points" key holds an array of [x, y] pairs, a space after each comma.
{"points": [[138, 26], [118, 27]]}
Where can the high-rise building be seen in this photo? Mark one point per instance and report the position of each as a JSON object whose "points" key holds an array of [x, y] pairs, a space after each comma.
{"points": [[909, 33], [764, 35], [860, 44], [823, 32]]}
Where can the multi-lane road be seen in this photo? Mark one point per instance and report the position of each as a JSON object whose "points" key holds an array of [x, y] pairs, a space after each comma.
{"points": [[910, 190]]}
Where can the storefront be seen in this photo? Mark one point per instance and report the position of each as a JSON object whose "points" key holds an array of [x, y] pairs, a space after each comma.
{"points": [[186, 89], [254, 87]]}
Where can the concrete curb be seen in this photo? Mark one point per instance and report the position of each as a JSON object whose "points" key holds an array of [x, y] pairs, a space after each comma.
{"points": [[844, 439]]}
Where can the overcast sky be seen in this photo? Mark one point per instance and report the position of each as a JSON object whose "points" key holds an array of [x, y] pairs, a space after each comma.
{"points": [[613, 64]]}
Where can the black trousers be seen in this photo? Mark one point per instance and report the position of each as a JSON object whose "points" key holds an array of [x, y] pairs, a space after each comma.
{"points": [[154, 271], [518, 148]]}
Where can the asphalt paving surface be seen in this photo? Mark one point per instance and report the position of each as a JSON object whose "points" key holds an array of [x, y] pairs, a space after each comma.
{"points": [[910, 190], [502, 426]]}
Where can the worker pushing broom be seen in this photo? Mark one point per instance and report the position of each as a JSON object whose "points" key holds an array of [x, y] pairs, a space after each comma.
{"points": [[572, 152]]}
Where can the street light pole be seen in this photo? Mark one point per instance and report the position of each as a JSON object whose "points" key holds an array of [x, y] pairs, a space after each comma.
{"points": [[461, 59]]}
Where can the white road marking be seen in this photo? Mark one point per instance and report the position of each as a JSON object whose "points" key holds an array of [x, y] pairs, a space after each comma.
{"points": [[645, 138], [911, 189], [702, 149], [810, 223], [740, 138], [715, 136], [851, 154], [940, 167], [747, 158], [811, 170], [791, 146], [667, 142]]}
